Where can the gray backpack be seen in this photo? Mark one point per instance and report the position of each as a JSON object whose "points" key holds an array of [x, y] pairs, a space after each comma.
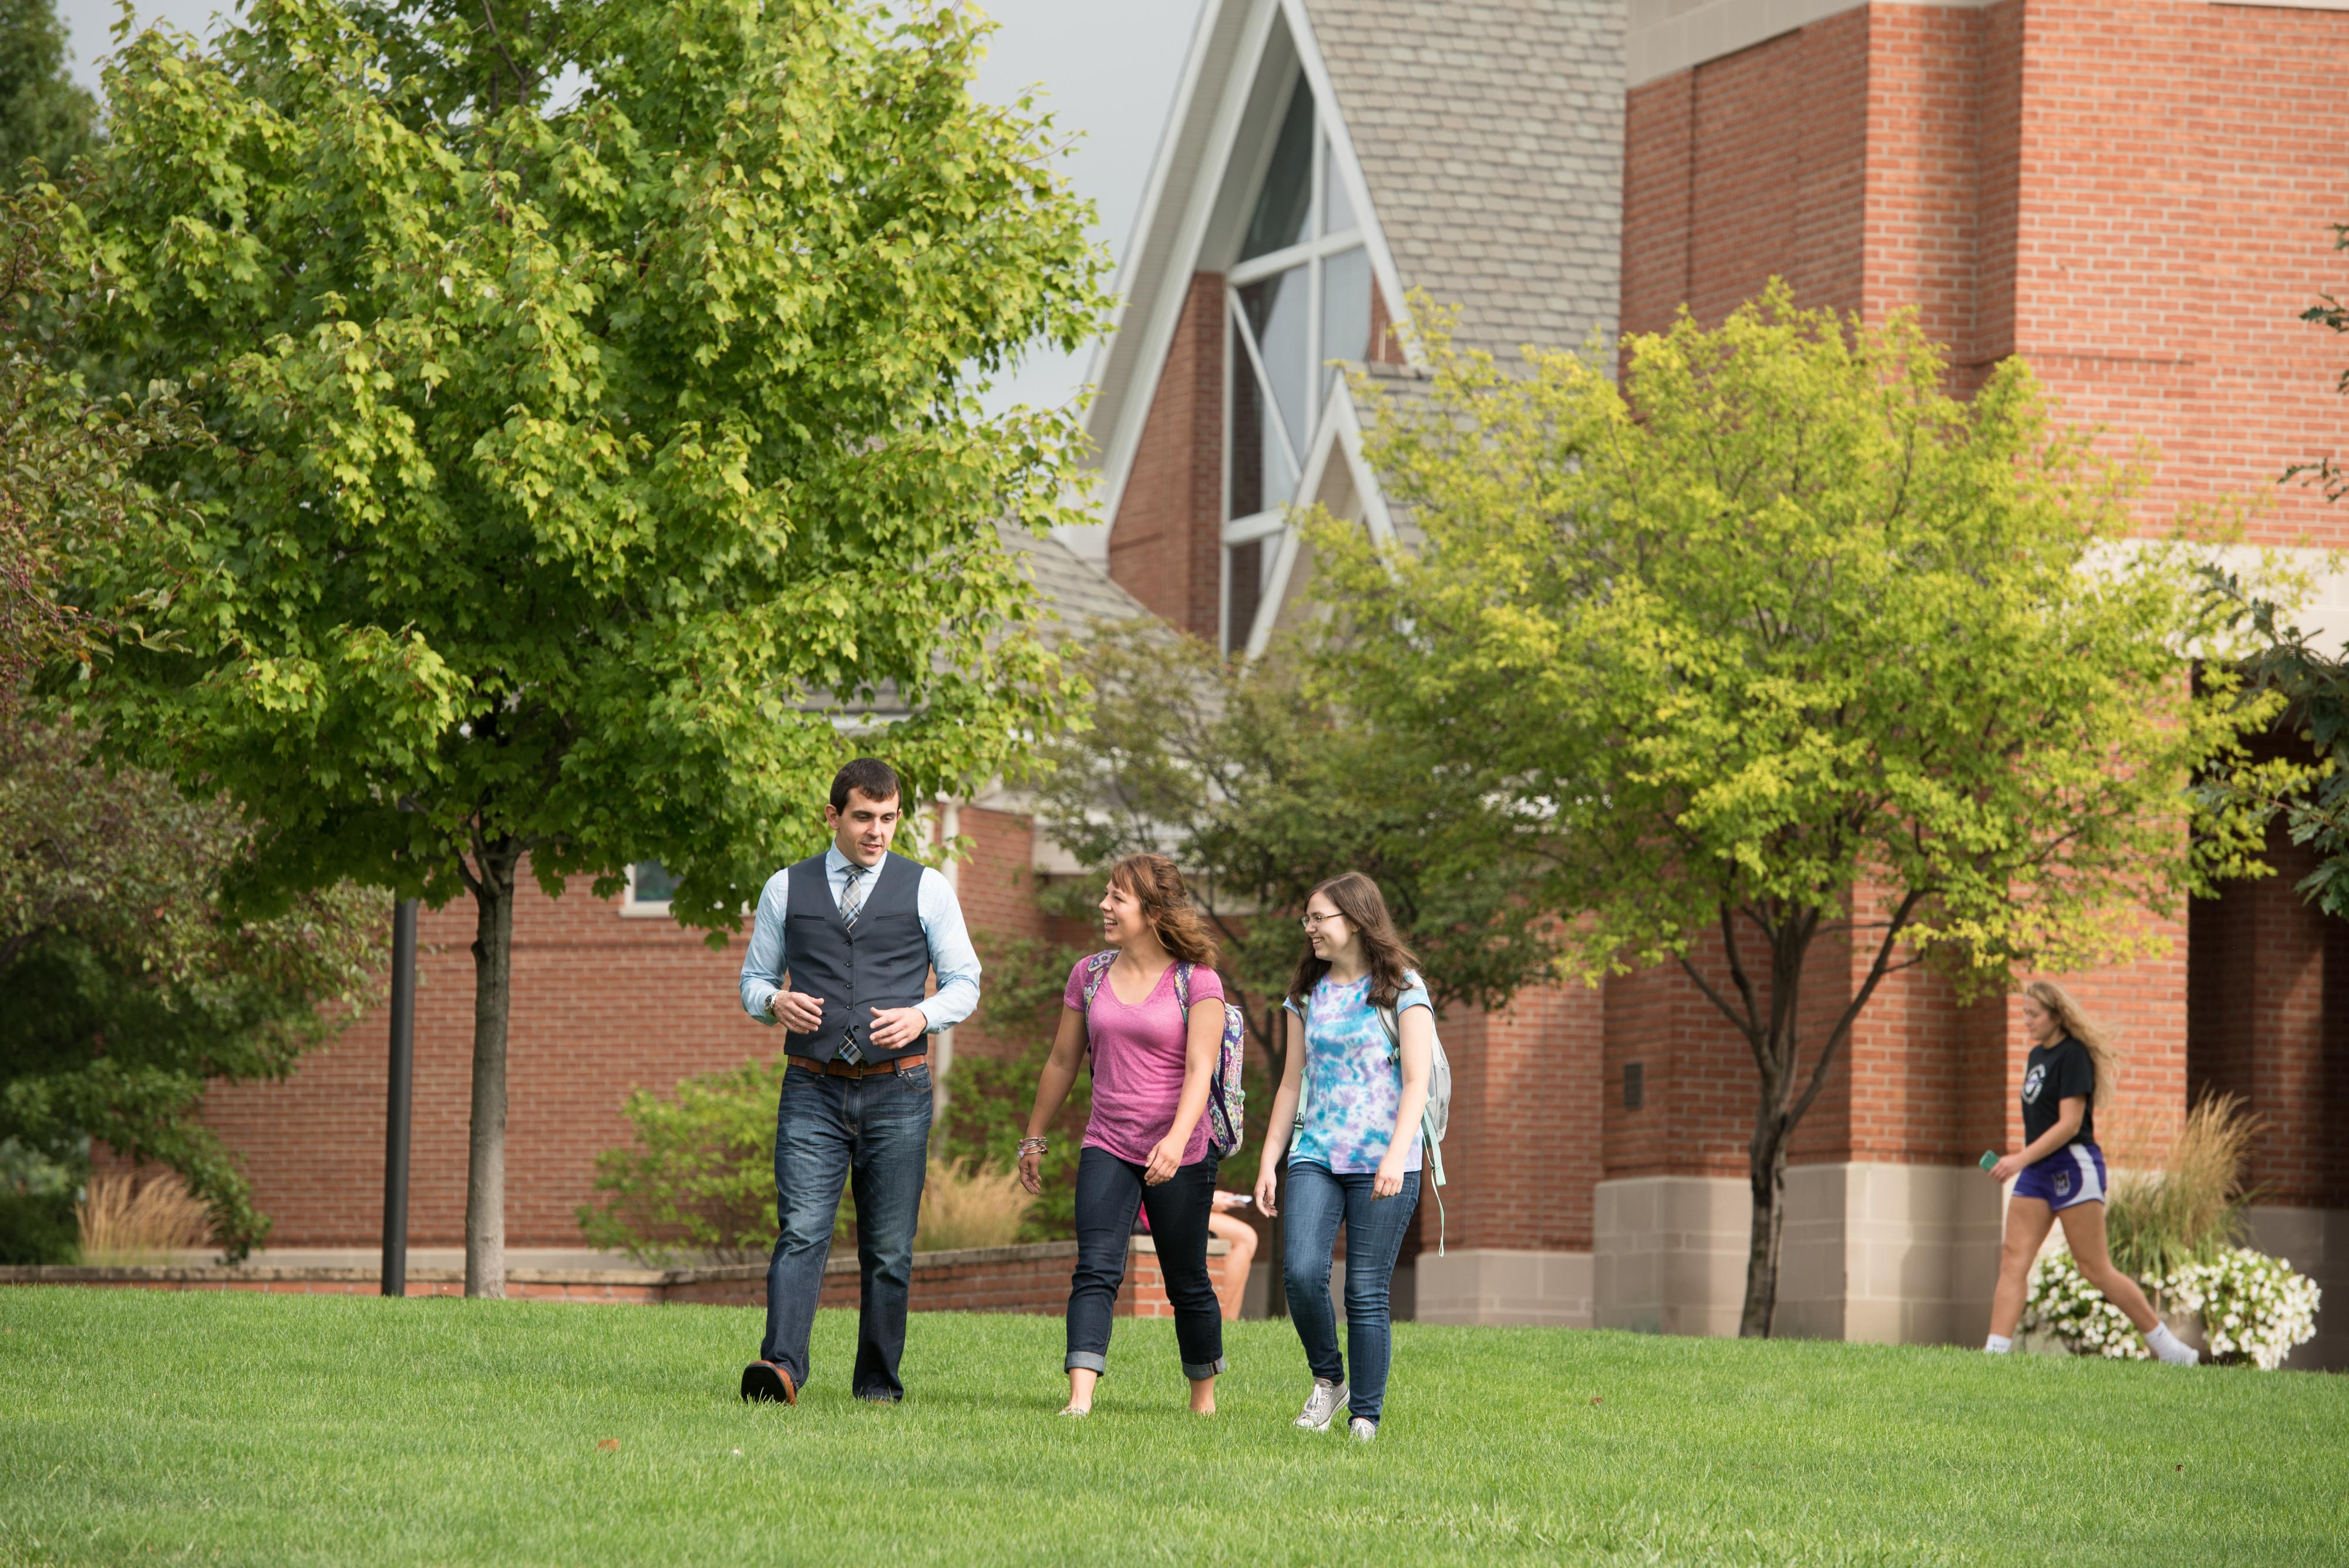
{"points": [[1436, 1117]]}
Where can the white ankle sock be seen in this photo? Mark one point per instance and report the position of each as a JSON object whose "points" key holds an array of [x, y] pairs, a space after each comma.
{"points": [[1999, 1345], [2169, 1347]]}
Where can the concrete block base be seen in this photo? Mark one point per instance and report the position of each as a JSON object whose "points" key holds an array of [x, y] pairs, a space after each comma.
{"points": [[1887, 1254], [1498, 1285], [2316, 1243]]}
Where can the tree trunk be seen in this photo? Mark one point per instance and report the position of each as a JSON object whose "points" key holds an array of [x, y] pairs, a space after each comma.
{"points": [[1767, 1168], [1773, 1030], [485, 1181]]}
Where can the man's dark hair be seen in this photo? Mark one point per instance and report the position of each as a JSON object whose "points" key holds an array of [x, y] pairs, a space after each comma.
{"points": [[868, 777]]}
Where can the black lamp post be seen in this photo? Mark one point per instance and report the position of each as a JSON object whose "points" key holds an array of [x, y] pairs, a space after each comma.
{"points": [[399, 1102]]}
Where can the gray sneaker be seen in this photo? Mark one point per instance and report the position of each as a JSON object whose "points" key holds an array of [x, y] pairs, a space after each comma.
{"points": [[1360, 1430], [1326, 1400]]}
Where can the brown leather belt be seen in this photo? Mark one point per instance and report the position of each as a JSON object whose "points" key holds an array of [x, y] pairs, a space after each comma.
{"points": [[839, 1069]]}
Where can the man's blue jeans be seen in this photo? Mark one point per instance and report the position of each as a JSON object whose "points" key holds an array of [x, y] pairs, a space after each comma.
{"points": [[874, 1134], [1375, 1227]]}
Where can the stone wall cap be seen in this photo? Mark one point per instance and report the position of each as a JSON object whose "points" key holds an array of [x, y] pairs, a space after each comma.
{"points": [[1148, 1247], [648, 1278]]}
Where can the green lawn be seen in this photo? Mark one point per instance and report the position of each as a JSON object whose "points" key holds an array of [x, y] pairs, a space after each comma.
{"points": [[139, 1426]]}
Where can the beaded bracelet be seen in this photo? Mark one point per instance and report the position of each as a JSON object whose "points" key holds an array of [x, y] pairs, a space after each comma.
{"points": [[1031, 1145]]}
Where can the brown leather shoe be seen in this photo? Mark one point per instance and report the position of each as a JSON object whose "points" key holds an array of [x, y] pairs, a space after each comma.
{"points": [[767, 1382]]}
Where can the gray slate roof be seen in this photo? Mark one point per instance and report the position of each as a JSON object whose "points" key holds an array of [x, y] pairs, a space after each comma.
{"points": [[1074, 592], [1491, 135]]}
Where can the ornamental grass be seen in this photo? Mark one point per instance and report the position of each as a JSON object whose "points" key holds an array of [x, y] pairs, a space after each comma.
{"points": [[965, 1204], [126, 1224], [2190, 1208]]}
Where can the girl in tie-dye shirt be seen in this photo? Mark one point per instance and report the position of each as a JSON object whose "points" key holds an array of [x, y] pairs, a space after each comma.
{"points": [[1353, 1083], [1350, 1091]]}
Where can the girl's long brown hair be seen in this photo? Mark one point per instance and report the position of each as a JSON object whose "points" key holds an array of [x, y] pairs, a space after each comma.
{"points": [[1365, 908], [1153, 882], [2073, 1021]]}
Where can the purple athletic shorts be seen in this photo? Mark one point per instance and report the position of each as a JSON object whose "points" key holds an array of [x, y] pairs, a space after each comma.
{"points": [[2073, 1174]]}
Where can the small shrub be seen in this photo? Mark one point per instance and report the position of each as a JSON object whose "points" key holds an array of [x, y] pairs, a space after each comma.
{"points": [[699, 1182], [963, 1206], [123, 1223], [2190, 1208], [2063, 1305], [36, 1207], [2255, 1309], [38, 1228]]}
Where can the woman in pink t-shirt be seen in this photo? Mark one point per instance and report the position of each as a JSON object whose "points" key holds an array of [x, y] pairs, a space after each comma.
{"points": [[1146, 1145]]}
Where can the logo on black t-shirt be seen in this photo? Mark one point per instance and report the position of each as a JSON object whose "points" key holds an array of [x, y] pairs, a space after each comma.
{"points": [[2031, 1082]]}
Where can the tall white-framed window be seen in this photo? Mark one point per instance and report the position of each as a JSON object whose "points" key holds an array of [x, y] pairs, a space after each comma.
{"points": [[1298, 297]]}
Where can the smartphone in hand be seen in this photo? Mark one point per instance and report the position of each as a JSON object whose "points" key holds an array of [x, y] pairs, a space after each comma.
{"points": [[1989, 1160]]}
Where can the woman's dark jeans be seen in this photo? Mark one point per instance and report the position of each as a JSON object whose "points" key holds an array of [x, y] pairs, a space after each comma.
{"points": [[1109, 1190], [1375, 1227]]}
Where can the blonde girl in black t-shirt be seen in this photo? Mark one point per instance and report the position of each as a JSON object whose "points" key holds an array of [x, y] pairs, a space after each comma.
{"points": [[2060, 1172]]}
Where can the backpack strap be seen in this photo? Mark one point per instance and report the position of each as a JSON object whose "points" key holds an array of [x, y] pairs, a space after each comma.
{"points": [[1096, 970], [1183, 990], [1430, 1150]]}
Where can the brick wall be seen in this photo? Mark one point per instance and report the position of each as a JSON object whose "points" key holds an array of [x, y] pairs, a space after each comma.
{"points": [[1165, 543], [998, 891], [1745, 167], [2169, 235], [1031, 1279], [2269, 988], [602, 1004], [1523, 1148], [1929, 163], [2136, 198], [2147, 248], [1701, 1088]]}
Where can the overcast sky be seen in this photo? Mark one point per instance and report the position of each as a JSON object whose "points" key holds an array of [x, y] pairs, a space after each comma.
{"points": [[1104, 68]]}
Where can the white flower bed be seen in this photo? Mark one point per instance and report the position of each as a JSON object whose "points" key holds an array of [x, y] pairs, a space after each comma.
{"points": [[2253, 1308]]}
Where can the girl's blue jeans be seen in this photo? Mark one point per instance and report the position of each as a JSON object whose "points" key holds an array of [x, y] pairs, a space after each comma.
{"points": [[1375, 1227]]}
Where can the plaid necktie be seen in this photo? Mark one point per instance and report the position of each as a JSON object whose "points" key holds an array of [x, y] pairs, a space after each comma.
{"points": [[852, 901]]}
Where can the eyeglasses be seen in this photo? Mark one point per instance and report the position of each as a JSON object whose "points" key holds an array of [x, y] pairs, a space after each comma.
{"points": [[1309, 921]]}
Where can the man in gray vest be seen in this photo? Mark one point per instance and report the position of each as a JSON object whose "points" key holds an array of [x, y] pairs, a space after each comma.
{"points": [[859, 929]]}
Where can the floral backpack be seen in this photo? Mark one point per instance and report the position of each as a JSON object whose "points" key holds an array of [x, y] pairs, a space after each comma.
{"points": [[1226, 1100]]}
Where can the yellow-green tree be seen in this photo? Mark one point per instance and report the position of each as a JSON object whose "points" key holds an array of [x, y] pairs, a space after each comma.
{"points": [[592, 390], [1786, 646]]}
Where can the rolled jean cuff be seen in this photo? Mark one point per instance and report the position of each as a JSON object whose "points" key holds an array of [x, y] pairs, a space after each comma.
{"points": [[1198, 1369], [1085, 1361]]}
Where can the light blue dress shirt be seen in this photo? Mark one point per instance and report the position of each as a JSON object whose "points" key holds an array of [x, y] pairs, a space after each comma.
{"points": [[951, 954]]}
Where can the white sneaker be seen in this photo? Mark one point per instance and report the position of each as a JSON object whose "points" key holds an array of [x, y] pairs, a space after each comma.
{"points": [[1362, 1431], [1326, 1400]]}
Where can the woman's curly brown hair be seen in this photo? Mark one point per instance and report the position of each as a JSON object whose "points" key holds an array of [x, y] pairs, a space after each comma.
{"points": [[1153, 882]]}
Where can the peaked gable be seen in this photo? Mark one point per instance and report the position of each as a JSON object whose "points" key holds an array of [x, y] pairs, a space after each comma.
{"points": [[1322, 158], [1491, 138]]}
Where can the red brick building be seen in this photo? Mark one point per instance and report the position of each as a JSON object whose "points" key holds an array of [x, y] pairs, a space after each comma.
{"points": [[2135, 197]]}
